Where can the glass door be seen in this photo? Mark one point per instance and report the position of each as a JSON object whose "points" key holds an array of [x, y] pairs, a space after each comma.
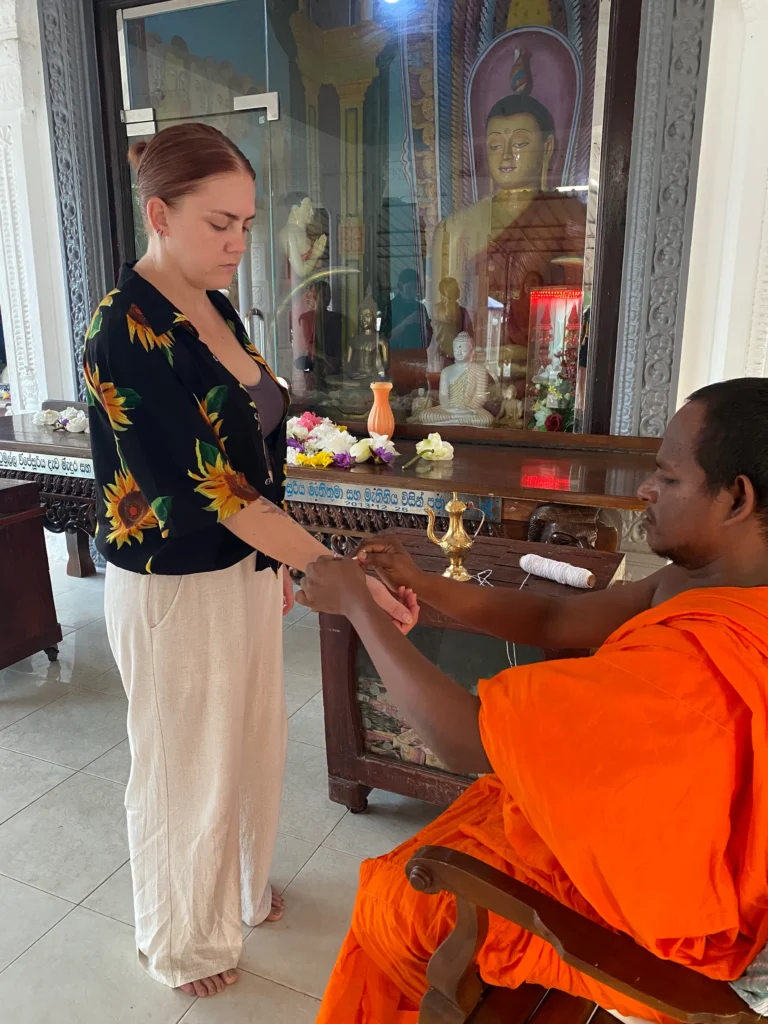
{"points": [[205, 61]]}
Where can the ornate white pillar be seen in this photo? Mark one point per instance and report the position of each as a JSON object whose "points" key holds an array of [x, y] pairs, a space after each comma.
{"points": [[32, 300], [726, 318]]}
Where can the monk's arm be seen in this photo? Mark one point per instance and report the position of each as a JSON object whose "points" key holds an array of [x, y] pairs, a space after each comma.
{"points": [[583, 621], [443, 713]]}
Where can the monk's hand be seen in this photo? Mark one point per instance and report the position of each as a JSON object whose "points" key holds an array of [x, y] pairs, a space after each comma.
{"points": [[333, 585], [338, 586], [391, 561]]}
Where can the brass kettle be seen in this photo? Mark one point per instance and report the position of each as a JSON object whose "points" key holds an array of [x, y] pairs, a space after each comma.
{"points": [[455, 542]]}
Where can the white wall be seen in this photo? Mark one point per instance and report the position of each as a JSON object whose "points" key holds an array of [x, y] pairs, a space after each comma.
{"points": [[32, 293], [726, 315]]}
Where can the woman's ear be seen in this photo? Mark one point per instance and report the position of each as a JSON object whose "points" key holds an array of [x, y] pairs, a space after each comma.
{"points": [[157, 216]]}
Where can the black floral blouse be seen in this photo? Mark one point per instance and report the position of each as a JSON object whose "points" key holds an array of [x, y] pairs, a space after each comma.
{"points": [[177, 442]]}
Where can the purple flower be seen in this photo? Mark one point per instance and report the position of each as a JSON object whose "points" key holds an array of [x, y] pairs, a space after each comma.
{"points": [[293, 443], [383, 455], [343, 460]]}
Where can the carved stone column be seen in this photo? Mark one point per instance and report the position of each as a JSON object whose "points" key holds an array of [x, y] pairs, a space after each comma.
{"points": [[311, 93], [672, 72], [31, 275], [352, 230], [346, 59], [71, 78]]}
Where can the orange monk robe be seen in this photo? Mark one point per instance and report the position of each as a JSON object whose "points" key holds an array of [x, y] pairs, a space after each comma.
{"points": [[632, 786]]}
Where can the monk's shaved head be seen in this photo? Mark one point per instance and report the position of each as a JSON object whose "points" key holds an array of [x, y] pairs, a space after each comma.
{"points": [[733, 440], [710, 489]]}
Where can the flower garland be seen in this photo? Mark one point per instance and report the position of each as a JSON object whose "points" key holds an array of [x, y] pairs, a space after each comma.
{"points": [[73, 420], [318, 442]]}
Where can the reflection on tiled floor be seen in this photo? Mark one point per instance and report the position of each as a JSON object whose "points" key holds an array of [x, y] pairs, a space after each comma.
{"points": [[66, 946]]}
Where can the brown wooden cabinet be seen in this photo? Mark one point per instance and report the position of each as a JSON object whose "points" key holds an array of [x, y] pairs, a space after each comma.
{"points": [[369, 745], [27, 614]]}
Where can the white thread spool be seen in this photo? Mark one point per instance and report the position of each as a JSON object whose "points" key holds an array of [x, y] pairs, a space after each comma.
{"points": [[560, 572]]}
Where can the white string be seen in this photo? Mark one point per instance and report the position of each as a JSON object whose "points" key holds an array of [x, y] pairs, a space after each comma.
{"points": [[560, 572], [483, 578]]}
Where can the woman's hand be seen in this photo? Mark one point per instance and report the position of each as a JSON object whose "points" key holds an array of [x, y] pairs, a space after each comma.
{"points": [[288, 598], [338, 585], [402, 608], [391, 561]]}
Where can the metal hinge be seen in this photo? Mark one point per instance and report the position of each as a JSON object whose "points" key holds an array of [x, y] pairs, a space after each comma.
{"points": [[269, 102], [139, 122]]}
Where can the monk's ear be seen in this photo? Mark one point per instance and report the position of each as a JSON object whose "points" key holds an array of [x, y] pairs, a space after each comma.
{"points": [[743, 499]]}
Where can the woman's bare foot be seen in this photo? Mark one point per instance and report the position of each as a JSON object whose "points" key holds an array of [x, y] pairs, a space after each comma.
{"points": [[218, 982], [278, 907], [210, 986]]}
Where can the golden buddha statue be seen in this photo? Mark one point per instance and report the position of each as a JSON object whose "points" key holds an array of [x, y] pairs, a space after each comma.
{"points": [[494, 246]]}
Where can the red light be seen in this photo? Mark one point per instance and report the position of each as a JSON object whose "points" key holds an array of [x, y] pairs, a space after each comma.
{"points": [[546, 478]]}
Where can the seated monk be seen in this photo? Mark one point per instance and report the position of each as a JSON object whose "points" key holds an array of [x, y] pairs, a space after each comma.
{"points": [[632, 786]]}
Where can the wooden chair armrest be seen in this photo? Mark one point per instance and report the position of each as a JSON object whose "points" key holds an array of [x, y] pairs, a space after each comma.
{"points": [[612, 959]]}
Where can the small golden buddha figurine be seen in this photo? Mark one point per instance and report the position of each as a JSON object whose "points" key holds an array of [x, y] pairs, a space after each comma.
{"points": [[366, 355], [511, 411]]}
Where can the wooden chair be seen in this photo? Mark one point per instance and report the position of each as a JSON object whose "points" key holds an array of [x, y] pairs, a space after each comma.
{"points": [[458, 996]]}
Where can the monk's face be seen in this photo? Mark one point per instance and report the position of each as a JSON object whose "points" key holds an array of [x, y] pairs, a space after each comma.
{"points": [[683, 519], [517, 151]]}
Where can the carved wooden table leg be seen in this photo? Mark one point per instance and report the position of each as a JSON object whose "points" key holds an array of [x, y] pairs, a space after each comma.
{"points": [[80, 563]]}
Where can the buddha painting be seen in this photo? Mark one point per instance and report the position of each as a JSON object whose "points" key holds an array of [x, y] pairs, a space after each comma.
{"points": [[524, 230]]}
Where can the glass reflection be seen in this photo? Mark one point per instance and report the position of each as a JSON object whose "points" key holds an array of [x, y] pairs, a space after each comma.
{"points": [[427, 198], [451, 160]]}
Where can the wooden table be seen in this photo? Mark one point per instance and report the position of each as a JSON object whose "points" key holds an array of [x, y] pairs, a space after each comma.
{"points": [[61, 466], [358, 756], [555, 484], [27, 613]]}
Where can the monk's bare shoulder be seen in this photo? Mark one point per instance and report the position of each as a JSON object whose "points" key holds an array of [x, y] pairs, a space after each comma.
{"points": [[668, 583]]}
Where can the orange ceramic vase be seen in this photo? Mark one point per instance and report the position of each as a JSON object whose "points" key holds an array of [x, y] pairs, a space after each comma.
{"points": [[381, 419]]}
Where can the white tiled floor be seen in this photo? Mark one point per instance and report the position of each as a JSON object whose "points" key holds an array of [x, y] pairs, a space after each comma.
{"points": [[66, 947]]}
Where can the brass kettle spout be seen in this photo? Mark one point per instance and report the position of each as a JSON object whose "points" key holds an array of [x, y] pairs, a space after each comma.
{"points": [[455, 542]]}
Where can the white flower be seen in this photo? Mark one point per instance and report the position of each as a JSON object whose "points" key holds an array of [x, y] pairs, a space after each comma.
{"points": [[380, 442], [294, 430], [46, 418], [77, 423], [337, 442], [292, 457], [361, 450], [435, 449]]}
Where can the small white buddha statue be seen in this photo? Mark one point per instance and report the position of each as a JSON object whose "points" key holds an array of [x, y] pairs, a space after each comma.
{"points": [[464, 390]]}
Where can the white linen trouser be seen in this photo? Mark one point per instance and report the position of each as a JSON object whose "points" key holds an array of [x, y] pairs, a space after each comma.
{"points": [[201, 660]]}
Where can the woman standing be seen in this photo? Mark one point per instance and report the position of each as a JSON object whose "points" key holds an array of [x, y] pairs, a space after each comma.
{"points": [[188, 434]]}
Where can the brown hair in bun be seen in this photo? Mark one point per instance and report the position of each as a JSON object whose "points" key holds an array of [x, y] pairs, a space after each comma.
{"points": [[135, 153], [176, 160]]}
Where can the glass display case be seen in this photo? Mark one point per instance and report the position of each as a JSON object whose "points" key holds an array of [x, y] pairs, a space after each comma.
{"points": [[427, 176], [467, 657]]}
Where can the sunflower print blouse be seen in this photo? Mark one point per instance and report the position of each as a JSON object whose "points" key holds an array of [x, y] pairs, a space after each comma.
{"points": [[177, 442]]}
